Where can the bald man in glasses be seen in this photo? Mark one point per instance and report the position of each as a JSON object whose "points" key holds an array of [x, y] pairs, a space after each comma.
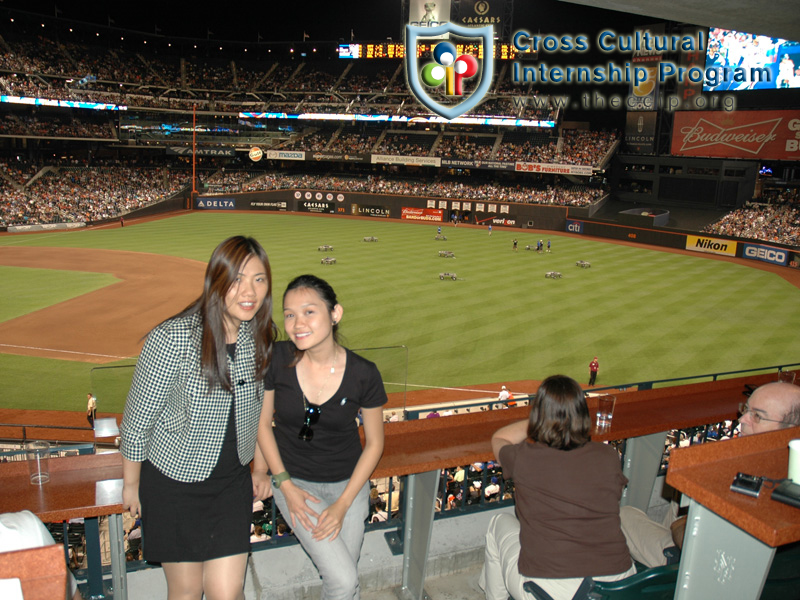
{"points": [[771, 407]]}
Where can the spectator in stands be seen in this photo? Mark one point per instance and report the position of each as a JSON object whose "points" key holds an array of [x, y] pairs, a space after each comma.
{"points": [[567, 501], [313, 391], [190, 424], [771, 407]]}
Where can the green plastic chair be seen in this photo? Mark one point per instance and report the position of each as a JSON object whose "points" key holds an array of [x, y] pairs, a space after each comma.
{"points": [[653, 584]]}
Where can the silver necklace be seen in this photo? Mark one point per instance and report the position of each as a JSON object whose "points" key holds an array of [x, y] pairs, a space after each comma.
{"points": [[328, 377]]}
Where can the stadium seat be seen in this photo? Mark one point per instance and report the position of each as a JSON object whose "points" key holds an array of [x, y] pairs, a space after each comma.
{"points": [[653, 584]]}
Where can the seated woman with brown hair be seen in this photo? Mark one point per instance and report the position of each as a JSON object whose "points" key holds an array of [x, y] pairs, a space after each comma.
{"points": [[567, 497]]}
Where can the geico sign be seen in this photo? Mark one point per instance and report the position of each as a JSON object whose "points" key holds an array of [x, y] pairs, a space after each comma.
{"points": [[769, 254]]}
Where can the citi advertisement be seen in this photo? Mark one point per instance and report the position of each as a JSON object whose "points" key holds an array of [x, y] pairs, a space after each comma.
{"points": [[421, 214], [574, 226], [753, 134], [710, 245], [770, 254], [215, 203]]}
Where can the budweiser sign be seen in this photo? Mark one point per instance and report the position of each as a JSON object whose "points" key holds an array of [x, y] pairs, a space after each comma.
{"points": [[773, 134]]}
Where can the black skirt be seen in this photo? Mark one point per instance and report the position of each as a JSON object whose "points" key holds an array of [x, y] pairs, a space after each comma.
{"points": [[195, 522]]}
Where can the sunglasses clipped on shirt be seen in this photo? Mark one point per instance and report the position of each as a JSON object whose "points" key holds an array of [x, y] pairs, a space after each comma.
{"points": [[312, 413]]}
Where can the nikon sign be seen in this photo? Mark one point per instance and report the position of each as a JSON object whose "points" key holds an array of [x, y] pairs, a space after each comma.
{"points": [[710, 245]]}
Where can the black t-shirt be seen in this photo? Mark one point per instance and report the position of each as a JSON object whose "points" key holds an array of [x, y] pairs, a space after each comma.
{"points": [[334, 451]]}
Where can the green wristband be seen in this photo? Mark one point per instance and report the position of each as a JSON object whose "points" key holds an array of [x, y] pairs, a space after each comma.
{"points": [[278, 479]]}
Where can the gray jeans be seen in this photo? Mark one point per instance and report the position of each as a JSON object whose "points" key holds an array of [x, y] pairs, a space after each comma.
{"points": [[337, 560]]}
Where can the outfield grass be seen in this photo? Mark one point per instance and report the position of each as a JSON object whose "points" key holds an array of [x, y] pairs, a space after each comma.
{"points": [[647, 314]]}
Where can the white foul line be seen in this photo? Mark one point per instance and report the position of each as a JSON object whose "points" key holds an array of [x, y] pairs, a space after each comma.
{"points": [[437, 387], [63, 351]]}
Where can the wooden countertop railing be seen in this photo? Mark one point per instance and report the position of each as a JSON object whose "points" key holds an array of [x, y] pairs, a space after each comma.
{"points": [[81, 486], [704, 472]]}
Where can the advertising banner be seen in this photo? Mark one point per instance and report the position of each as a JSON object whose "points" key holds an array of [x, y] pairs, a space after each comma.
{"points": [[419, 161], [316, 206], [528, 167], [753, 134], [270, 205], [215, 203], [710, 245], [363, 210], [187, 151], [505, 221], [770, 254], [421, 214], [476, 13], [640, 132], [496, 165], [337, 156], [574, 226], [286, 154]]}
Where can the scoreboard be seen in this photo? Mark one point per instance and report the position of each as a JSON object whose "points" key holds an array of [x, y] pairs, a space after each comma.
{"points": [[502, 51]]}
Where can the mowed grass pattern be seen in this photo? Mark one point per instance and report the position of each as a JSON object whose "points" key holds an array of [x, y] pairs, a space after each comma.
{"points": [[645, 313]]}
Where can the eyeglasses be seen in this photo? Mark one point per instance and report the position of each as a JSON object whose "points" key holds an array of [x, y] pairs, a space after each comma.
{"points": [[744, 408], [311, 417]]}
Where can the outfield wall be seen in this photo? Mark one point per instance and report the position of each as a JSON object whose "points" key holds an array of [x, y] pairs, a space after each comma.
{"points": [[501, 214], [576, 220]]}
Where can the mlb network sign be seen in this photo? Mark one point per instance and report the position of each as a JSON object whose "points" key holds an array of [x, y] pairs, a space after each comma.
{"points": [[445, 74], [776, 256]]}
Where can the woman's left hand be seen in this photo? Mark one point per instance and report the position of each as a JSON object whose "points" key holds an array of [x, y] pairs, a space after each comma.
{"points": [[262, 486], [329, 523]]}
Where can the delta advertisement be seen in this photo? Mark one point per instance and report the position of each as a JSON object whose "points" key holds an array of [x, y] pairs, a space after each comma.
{"points": [[215, 203], [753, 134], [710, 245], [421, 214]]}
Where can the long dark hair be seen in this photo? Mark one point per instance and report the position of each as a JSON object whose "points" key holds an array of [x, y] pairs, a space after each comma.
{"points": [[223, 268], [559, 416], [325, 291]]}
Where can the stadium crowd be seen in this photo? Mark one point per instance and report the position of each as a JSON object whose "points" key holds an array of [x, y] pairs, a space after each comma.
{"points": [[775, 221], [82, 195], [489, 191], [50, 67]]}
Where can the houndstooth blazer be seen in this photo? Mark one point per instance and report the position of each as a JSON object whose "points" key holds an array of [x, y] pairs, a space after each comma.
{"points": [[172, 419]]}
